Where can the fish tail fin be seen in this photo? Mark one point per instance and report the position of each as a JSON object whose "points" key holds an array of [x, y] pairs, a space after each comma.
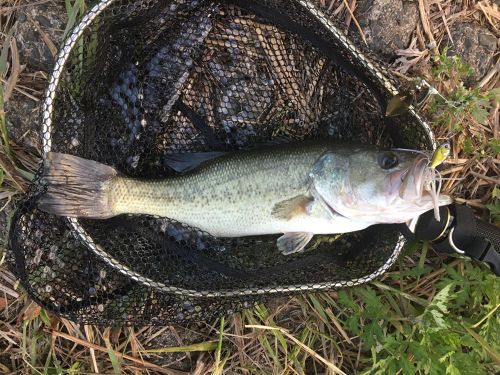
{"points": [[77, 187]]}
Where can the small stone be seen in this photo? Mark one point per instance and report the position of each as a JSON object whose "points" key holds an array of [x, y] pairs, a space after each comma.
{"points": [[23, 117], [387, 24], [52, 18], [488, 40], [475, 44]]}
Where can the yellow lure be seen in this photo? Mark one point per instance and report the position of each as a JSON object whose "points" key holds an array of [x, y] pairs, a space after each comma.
{"points": [[439, 155]]}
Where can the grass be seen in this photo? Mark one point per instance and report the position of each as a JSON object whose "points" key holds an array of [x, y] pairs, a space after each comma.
{"points": [[428, 315]]}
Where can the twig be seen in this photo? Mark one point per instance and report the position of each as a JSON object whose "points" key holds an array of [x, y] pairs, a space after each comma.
{"points": [[470, 202], [9, 291], [348, 17], [338, 10], [451, 170], [6, 10], [489, 12], [495, 121], [490, 74], [332, 3], [50, 44], [426, 25], [445, 22], [239, 341], [486, 178], [14, 73], [337, 325], [89, 334], [355, 20], [21, 91]]}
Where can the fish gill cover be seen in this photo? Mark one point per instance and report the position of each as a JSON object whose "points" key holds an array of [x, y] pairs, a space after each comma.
{"points": [[140, 80]]}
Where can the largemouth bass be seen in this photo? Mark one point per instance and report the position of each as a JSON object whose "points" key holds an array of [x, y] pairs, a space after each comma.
{"points": [[299, 189]]}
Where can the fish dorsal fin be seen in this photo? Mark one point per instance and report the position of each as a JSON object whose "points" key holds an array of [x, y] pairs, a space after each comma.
{"points": [[292, 207], [190, 160], [293, 242], [275, 141]]}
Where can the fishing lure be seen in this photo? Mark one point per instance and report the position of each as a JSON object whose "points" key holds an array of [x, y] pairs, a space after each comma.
{"points": [[437, 158], [439, 155]]}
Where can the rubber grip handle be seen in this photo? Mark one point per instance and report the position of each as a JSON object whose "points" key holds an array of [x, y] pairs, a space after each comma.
{"points": [[489, 232]]}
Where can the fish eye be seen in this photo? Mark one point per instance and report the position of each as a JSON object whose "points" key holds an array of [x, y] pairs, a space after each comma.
{"points": [[388, 160]]}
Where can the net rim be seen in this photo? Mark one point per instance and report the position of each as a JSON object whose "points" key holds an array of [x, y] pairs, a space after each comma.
{"points": [[47, 130]]}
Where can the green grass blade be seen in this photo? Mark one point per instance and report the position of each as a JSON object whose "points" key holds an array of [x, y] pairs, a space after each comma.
{"points": [[45, 318], [115, 362], [25, 174], [4, 135], [264, 317], [418, 300], [219, 365], [68, 6], [74, 10], [495, 356], [48, 361], [318, 307], [4, 55], [3, 69], [34, 351]]}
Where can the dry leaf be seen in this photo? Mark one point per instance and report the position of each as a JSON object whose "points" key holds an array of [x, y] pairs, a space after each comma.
{"points": [[399, 104], [32, 311], [3, 303]]}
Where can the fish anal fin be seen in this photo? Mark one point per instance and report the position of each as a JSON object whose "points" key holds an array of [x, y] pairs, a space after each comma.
{"points": [[293, 242], [292, 207]]}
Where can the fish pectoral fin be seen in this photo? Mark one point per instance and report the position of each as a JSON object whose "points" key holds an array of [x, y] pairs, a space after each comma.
{"points": [[293, 242], [292, 207]]}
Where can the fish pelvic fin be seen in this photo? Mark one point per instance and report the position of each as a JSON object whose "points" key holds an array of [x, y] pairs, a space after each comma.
{"points": [[293, 242], [77, 187]]}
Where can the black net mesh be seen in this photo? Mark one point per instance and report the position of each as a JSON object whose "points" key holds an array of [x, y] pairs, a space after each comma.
{"points": [[151, 78]]}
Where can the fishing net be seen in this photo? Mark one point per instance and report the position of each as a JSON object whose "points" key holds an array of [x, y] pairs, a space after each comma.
{"points": [[139, 80]]}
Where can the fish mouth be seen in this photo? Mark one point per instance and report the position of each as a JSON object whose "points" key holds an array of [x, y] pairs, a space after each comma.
{"points": [[422, 185], [416, 179], [423, 177]]}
